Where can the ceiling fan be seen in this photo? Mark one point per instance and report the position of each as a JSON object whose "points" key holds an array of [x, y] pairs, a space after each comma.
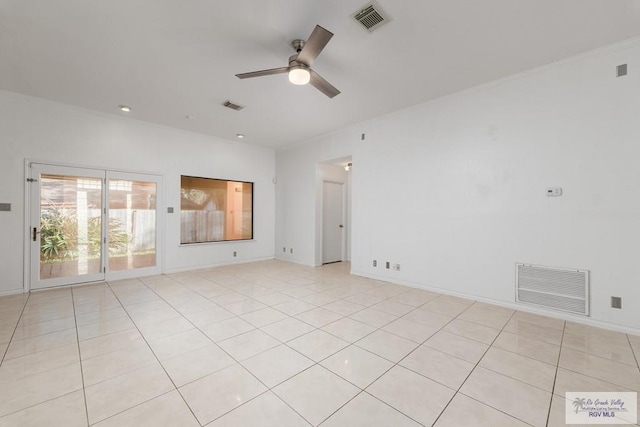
{"points": [[299, 69]]}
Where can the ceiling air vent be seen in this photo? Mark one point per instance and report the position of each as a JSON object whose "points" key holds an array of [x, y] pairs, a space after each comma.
{"points": [[371, 17], [232, 105]]}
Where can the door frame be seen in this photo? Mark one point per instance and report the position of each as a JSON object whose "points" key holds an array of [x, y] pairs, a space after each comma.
{"points": [[160, 221], [343, 215]]}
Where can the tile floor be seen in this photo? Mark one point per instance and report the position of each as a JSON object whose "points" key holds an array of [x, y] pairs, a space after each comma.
{"points": [[277, 344]]}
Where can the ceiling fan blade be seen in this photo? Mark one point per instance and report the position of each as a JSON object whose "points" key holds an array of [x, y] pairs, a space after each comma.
{"points": [[314, 45], [261, 73], [322, 85]]}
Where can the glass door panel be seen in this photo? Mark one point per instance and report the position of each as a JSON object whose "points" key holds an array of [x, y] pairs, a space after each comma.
{"points": [[131, 235], [67, 229]]}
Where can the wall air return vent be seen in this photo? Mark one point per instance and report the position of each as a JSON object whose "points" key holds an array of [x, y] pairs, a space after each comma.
{"points": [[556, 288], [232, 105], [371, 17]]}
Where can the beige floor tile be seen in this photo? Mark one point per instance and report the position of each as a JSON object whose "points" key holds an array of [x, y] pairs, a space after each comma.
{"points": [[365, 299], [522, 368], [545, 321], [357, 366], [32, 390], [414, 297], [538, 350], [147, 317], [463, 410], [264, 317], [535, 332], [104, 328], [318, 317], [218, 393], [36, 363], [387, 345], [600, 368], [367, 411], [522, 401], [457, 346], [146, 306], [249, 344], [153, 331], [244, 306], [36, 329], [473, 331], [193, 365], [573, 381], [447, 305], [581, 329], [167, 410], [228, 328], [100, 316], [372, 317], [207, 317], [414, 395], [316, 393], [274, 298], [317, 345], [118, 394], [438, 366], [557, 414], [166, 348], [484, 314], [266, 410], [348, 329], [319, 298], [107, 343], [344, 307], [615, 347], [228, 298], [395, 308], [428, 318], [277, 365], [294, 307], [18, 348], [411, 330], [67, 410], [287, 329], [114, 364]]}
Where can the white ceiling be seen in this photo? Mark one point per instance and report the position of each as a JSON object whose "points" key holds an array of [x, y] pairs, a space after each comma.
{"points": [[168, 59]]}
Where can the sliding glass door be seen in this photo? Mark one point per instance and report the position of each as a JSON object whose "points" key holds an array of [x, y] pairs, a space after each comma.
{"points": [[90, 225]]}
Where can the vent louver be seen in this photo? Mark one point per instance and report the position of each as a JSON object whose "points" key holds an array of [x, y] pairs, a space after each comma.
{"points": [[232, 105], [556, 288], [371, 17]]}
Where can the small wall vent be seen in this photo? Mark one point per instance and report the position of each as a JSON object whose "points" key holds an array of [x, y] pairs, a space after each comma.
{"points": [[232, 105], [371, 16], [621, 70], [556, 288]]}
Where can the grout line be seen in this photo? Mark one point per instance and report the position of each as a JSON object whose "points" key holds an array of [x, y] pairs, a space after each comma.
{"points": [[84, 392], [24, 306], [636, 356], [555, 377]]}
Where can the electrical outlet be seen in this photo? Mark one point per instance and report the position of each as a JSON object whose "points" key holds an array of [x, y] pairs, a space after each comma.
{"points": [[387, 265], [616, 302], [235, 254], [396, 267], [375, 263], [284, 249], [291, 250]]}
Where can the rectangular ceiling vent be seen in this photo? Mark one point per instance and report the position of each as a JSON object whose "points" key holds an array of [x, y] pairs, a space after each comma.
{"points": [[556, 288], [371, 17], [232, 105]]}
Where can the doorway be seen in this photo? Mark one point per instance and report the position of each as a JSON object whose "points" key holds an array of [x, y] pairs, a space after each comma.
{"points": [[333, 222], [89, 225]]}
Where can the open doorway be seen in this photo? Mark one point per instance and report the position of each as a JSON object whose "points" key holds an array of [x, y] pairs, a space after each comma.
{"points": [[333, 213]]}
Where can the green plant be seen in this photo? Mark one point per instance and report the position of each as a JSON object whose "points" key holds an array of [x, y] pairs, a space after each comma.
{"points": [[57, 229]]}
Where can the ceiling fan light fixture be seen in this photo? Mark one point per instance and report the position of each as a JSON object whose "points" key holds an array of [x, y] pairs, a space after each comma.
{"points": [[299, 75]]}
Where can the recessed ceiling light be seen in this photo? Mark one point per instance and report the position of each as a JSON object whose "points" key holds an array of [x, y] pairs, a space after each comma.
{"points": [[125, 109]]}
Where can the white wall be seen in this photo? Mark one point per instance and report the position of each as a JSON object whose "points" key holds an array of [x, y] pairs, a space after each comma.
{"points": [[454, 190], [46, 131]]}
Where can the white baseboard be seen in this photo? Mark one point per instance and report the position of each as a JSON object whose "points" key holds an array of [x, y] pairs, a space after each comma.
{"points": [[512, 305], [214, 265], [12, 292]]}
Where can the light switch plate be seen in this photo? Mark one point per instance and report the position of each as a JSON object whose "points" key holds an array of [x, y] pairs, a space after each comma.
{"points": [[5, 207]]}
